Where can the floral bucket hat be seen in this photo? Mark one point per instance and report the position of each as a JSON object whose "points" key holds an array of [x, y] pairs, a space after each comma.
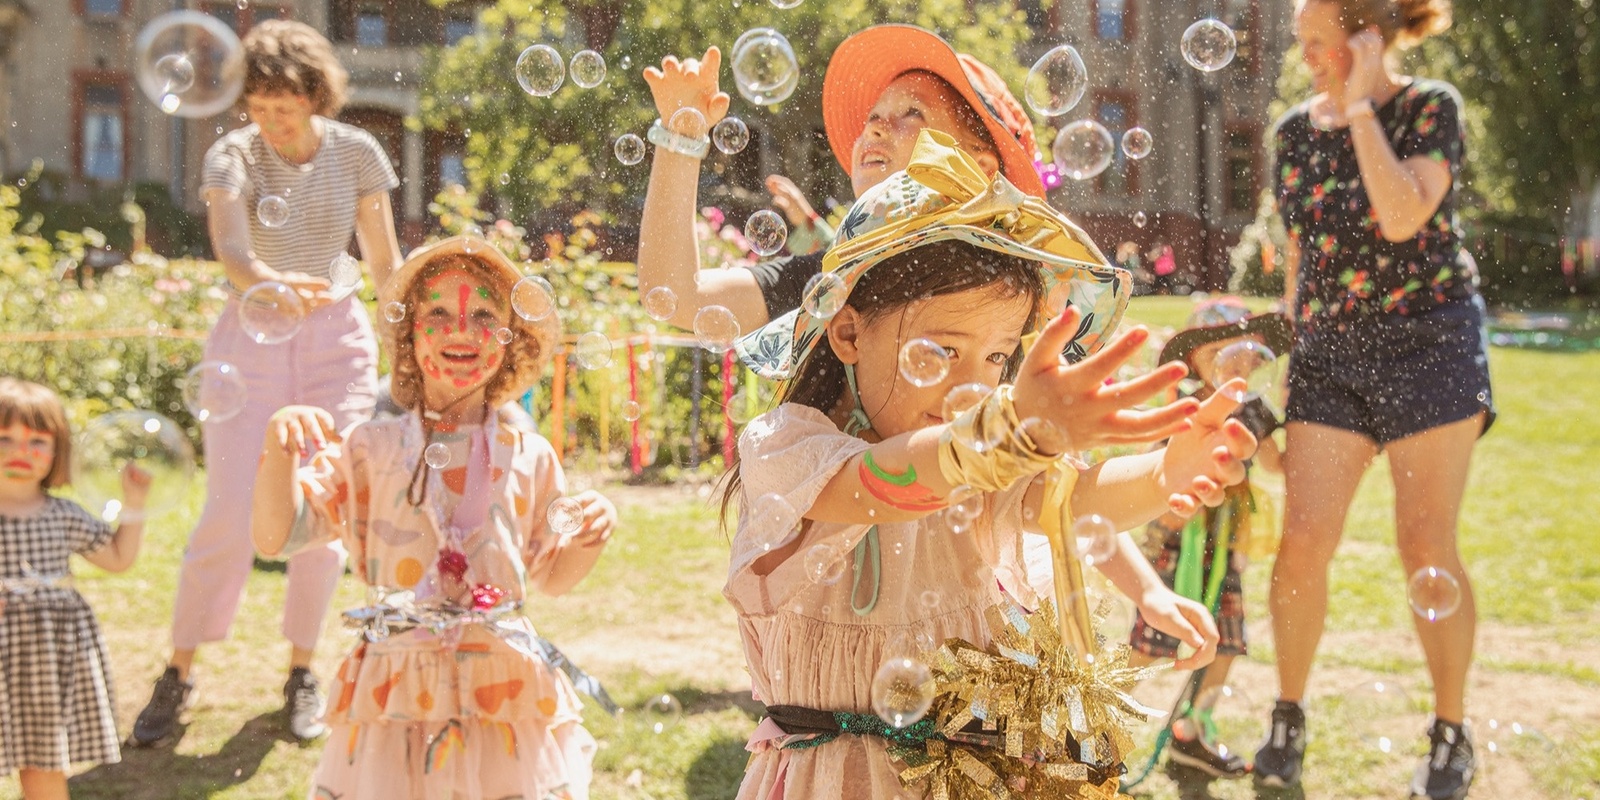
{"points": [[942, 195]]}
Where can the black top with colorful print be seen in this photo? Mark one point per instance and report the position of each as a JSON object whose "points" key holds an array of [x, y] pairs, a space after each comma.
{"points": [[1347, 269]]}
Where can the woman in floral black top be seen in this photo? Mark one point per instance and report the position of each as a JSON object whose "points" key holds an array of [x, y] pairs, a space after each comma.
{"points": [[1390, 352]]}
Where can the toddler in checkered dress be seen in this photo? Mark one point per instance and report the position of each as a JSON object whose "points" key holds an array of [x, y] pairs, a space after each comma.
{"points": [[55, 679]]}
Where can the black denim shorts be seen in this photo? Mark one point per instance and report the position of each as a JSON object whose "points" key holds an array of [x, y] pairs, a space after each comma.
{"points": [[1394, 376]]}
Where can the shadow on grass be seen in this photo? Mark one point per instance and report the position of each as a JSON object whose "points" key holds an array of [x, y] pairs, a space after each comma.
{"points": [[715, 773], [160, 772]]}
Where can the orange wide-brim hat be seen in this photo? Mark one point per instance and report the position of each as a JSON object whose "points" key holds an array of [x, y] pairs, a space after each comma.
{"points": [[867, 62]]}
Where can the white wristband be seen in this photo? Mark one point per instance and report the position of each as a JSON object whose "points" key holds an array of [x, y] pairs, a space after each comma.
{"points": [[1360, 108], [678, 143]]}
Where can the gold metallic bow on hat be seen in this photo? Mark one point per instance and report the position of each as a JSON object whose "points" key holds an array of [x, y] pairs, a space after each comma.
{"points": [[964, 195]]}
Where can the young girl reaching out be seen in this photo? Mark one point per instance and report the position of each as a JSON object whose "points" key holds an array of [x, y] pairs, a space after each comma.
{"points": [[446, 512], [865, 458], [56, 706]]}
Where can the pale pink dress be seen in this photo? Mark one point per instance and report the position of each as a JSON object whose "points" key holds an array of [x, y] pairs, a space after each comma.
{"points": [[423, 716], [804, 643]]}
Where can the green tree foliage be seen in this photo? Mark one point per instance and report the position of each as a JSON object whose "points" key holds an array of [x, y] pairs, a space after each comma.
{"points": [[554, 154]]}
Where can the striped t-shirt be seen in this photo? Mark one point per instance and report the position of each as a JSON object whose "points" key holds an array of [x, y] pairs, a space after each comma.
{"points": [[321, 194]]}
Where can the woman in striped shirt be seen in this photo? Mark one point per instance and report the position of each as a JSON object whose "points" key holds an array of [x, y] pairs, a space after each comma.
{"points": [[331, 181]]}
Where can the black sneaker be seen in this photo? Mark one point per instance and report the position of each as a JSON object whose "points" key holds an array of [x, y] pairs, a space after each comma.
{"points": [[1280, 757], [1197, 753], [302, 701], [1446, 771], [172, 697]]}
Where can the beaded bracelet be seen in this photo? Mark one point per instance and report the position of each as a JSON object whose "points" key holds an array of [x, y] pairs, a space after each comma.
{"points": [[678, 143]]}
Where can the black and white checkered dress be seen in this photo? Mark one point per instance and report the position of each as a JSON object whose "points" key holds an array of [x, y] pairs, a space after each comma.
{"points": [[55, 691]]}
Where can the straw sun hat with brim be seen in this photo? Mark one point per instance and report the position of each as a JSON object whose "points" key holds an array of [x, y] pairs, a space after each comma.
{"points": [[944, 195], [867, 62], [532, 343]]}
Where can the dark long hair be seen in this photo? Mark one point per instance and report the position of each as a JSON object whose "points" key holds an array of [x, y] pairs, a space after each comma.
{"points": [[932, 270]]}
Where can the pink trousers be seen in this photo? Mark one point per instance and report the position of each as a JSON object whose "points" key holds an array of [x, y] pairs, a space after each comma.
{"points": [[332, 364]]}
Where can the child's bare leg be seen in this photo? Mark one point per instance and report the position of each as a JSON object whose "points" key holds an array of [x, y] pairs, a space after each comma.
{"points": [[43, 784], [182, 660]]}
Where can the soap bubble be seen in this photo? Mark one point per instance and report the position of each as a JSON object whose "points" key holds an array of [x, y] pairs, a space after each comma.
{"points": [[1434, 593], [1083, 149], [540, 70], [1137, 142], [771, 518], [764, 66], [270, 312], [588, 69], [716, 329], [962, 398], [825, 294], [394, 311], [1046, 436], [1097, 539], [593, 350], [565, 517], [629, 149], [533, 298], [214, 391], [929, 599], [273, 211], [662, 712], [630, 410], [1377, 712], [504, 335], [176, 72], [902, 691], [189, 63], [688, 122], [1208, 45], [1139, 219], [1056, 82], [344, 271], [766, 232], [786, 4], [924, 363], [436, 455], [731, 135], [824, 564], [660, 303], [1250, 360], [109, 442]]}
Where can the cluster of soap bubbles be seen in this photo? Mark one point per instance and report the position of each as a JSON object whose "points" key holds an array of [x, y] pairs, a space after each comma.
{"points": [[540, 70], [190, 64], [1084, 148]]}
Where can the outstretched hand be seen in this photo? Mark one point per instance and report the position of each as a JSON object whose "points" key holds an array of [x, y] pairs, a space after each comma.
{"points": [[790, 200], [1199, 464], [689, 83], [1080, 401], [599, 519], [135, 485], [1185, 620], [293, 428]]}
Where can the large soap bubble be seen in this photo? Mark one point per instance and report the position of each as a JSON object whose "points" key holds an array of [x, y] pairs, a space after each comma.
{"points": [[148, 440], [188, 63]]}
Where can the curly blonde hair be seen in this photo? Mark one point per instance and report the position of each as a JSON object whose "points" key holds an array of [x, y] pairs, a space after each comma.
{"points": [[1402, 23], [523, 355], [287, 56]]}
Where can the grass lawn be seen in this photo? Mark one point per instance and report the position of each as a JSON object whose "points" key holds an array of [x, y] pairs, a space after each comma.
{"points": [[651, 620]]}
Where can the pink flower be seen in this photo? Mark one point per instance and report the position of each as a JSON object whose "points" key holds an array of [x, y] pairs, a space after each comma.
{"points": [[713, 215]]}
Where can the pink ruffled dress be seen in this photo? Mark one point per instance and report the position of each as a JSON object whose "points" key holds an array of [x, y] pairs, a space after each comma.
{"points": [[805, 643], [462, 714]]}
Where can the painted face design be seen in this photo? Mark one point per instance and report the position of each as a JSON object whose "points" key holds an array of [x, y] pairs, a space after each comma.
{"points": [[26, 455], [453, 335]]}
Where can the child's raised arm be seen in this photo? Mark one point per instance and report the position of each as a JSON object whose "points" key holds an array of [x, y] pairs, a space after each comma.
{"points": [[668, 253], [277, 498], [120, 553]]}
